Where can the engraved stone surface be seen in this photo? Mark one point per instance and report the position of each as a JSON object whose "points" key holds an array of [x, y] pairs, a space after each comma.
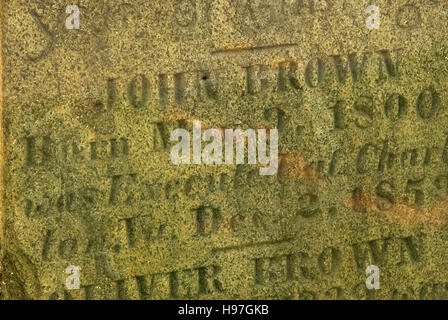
{"points": [[87, 179]]}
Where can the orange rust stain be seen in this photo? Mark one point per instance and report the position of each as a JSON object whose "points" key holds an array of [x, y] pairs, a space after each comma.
{"points": [[295, 166], [403, 214]]}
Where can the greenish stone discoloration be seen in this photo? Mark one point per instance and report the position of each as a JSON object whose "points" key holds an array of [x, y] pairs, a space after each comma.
{"points": [[362, 179]]}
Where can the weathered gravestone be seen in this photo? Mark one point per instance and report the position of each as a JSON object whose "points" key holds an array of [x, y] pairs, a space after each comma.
{"points": [[88, 185]]}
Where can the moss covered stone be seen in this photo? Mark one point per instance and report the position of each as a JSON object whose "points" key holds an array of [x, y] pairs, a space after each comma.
{"points": [[87, 179]]}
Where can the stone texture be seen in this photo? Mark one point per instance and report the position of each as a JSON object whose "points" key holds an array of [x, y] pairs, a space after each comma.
{"points": [[87, 178]]}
